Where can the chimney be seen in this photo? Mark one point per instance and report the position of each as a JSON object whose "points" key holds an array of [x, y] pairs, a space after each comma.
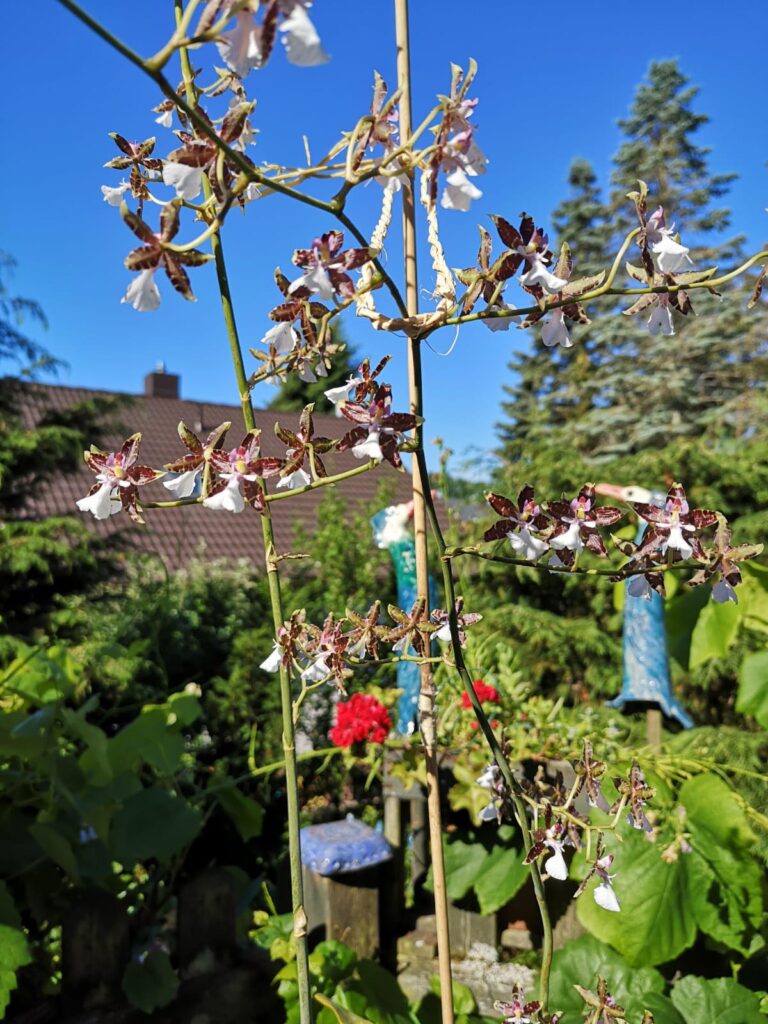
{"points": [[161, 384]]}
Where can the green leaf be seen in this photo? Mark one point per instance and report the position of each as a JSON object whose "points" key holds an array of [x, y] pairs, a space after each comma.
{"points": [[9, 915], [150, 984], [382, 991], [58, 848], [680, 615], [503, 874], [342, 1016], [716, 1001], [662, 1008], [153, 824], [247, 816], [753, 596], [581, 961], [463, 999], [150, 738], [714, 632], [725, 881], [14, 953], [752, 697], [656, 921]]}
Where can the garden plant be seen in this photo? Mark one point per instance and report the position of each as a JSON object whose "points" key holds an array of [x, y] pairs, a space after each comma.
{"points": [[663, 838]]}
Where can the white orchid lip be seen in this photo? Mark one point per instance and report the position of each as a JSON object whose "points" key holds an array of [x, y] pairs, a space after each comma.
{"points": [[370, 448], [282, 336], [230, 499], [539, 274], [142, 293], [183, 485], [102, 503], [187, 181]]}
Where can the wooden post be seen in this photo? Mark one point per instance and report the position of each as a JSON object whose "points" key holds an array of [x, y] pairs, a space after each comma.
{"points": [[95, 950], [207, 917]]}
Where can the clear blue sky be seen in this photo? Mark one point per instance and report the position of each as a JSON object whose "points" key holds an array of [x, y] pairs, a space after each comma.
{"points": [[553, 81]]}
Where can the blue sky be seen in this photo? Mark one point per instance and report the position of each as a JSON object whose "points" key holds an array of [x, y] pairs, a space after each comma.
{"points": [[552, 83]]}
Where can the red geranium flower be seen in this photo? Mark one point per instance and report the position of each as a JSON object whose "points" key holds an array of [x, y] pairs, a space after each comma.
{"points": [[484, 693], [358, 719]]}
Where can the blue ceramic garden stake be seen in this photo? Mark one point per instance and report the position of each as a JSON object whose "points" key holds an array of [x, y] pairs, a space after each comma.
{"points": [[646, 667], [392, 531]]}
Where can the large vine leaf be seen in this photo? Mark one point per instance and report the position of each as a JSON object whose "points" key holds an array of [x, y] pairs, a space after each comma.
{"points": [[582, 961], [153, 824], [342, 1016], [151, 983], [486, 863], [725, 883], [714, 632], [716, 1001], [14, 953], [656, 921], [752, 698]]}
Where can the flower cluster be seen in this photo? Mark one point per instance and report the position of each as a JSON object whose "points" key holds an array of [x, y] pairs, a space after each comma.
{"points": [[521, 1011], [568, 528], [562, 826], [455, 151], [328, 654], [360, 719], [249, 44]]}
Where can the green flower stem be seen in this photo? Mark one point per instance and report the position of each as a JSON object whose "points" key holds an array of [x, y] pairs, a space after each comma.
{"points": [[323, 481], [278, 616], [617, 574], [602, 290], [518, 801]]}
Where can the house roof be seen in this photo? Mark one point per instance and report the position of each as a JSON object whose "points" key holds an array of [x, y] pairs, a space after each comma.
{"points": [[179, 534]]}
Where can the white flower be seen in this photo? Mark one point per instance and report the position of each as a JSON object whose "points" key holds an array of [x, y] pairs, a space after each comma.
{"points": [[660, 320], [229, 499], [554, 330], [299, 478], [316, 671], [556, 562], [489, 778], [500, 323], [305, 372], [273, 661], [183, 485], [538, 274], [555, 865], [253, 191], [240, 48], [340, 394], [459, 191], [114, 195], [188, 181], [526, 545], [103, 503], [671, 257], [283, 336], [302, 43], [604, 895], [571, 539], [317, 280], [444, 633], [142, 293], [369, 448], [640, 587], [165, 118], [723, 591], [677, 542], [489, 812]]}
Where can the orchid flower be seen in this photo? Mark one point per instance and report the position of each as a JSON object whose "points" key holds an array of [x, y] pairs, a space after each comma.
{"points": [[673, 527], [518, 522], [325, 266], [577, 525], [184, 474], [238, 471], [118, 478], [518, 1011], [379, 431], [670, 256]]}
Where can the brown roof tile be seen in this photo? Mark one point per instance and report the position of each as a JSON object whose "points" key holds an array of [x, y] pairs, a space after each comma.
{"points": [[178, 534]]}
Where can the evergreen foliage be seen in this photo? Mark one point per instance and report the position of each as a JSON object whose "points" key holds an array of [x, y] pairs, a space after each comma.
{"points": [[41, 560]]}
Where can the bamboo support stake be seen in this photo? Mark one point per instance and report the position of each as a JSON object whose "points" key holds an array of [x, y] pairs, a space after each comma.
{"points": [[420, 482]]}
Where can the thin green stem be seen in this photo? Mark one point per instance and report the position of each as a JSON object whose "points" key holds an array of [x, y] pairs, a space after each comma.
{"points": [[518, 801], [619, 573], [273, 582]]}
